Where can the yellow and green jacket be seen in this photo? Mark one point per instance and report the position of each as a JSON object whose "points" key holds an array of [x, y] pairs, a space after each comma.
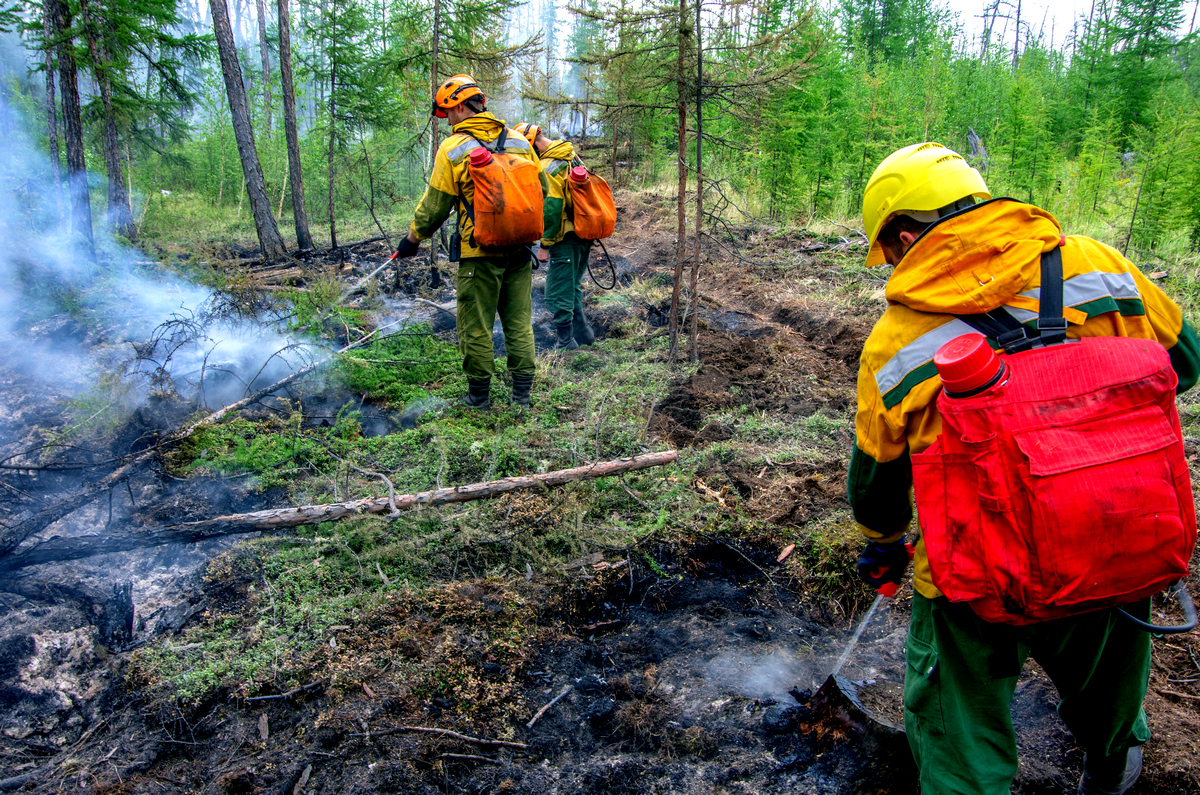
{"points": [[450, 184], [557, 211], [985, 258]]}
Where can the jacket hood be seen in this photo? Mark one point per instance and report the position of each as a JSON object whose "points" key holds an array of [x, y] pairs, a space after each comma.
{"points": [[975, 261], [559, 150], [483, 126]]}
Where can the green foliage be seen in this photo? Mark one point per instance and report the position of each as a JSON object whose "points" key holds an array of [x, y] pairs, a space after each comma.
{"points": [[402, 367]]}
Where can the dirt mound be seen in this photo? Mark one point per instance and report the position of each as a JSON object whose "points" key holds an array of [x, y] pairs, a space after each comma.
{"points": [[782, 374], [839, 337]]}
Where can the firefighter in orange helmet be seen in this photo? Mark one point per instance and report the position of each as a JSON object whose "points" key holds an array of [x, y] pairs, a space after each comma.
{"points": [[491, 279]]}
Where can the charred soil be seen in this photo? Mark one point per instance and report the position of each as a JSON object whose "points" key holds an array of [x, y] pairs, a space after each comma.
{"points": [[664, 632]]}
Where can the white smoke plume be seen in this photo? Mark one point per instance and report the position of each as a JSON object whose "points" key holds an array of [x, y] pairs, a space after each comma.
{"points": [[72, 323]]}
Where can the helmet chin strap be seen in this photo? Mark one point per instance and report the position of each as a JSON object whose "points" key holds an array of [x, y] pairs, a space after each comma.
{"points": [[954, 207]]}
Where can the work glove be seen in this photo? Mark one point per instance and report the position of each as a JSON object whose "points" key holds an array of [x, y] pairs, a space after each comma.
{"points": [[407, 248], [882, 566]]}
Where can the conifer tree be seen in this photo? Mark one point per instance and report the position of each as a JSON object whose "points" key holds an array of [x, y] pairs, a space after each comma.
{"points": [[269, 238], [295, 171]]}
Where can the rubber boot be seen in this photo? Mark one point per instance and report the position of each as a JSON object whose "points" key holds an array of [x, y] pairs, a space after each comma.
{"points": [[1113, 775], [566, 342], [520, 390], [477, 396], [580, 328]]}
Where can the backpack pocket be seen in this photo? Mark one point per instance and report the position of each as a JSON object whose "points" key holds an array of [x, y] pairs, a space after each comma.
{"points": [[1105, 502], [949, 515]]}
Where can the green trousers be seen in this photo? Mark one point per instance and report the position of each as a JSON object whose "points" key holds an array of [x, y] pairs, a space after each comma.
{"points": [[962, 672], [568, 263], [487, 285]]}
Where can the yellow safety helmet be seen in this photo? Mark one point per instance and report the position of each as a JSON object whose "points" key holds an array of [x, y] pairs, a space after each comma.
{"points": [[530, 131], [453, 92], [921, 180]]}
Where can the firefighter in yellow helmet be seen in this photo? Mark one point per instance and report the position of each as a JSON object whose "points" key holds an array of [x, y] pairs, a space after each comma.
{"points": [[491, 279], [954, 256]]}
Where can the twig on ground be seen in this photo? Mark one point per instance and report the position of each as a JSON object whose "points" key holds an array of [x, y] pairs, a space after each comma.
{"points": [[744, 556], [538, 715], [636, 498], [1188, 696], [473, 758], [852, 229], [446, 732], [289, 694]]}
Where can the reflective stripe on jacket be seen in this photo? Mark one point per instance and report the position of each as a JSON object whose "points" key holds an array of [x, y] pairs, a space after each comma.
{"points": [[451, 181], [557, 211], [985, 258]]}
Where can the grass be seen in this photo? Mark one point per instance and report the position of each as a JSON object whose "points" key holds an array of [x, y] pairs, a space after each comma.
{"points": [[464, 567], [589, 405]]}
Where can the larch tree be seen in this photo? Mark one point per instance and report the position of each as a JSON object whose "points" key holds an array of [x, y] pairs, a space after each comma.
{"points": [[77, 186], [296, 173], [269, 239]]}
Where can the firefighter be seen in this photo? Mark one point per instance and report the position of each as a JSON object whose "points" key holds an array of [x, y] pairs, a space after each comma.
{"points": [[561, 247], [490, 279], [956, 256]]}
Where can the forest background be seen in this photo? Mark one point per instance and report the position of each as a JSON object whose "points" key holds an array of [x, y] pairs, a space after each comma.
{"points": [[1099, 123]]}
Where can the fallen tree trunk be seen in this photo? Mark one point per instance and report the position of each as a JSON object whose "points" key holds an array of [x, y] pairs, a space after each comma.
{"points": [[74, 548], [11, 536]]}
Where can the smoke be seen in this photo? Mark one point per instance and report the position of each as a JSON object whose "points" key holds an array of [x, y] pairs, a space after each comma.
{"points": [[755, 676], [72, 324]]}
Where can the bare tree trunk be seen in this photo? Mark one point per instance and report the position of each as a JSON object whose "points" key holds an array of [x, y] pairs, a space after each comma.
{"points": [[300, 214], [616, 125], [52, 115], [269, 238], [681, 237], [332, 138], [81, 205], [62, 549], [120, 214], [435, 278], [694, 331], [266, 63], [1016, 59]]}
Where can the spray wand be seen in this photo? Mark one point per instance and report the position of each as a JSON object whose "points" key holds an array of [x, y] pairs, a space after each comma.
{"points": [[885, 591]]}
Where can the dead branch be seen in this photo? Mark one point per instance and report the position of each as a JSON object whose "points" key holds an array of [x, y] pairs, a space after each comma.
{"points": [[289, 694], [538, 715], [473, 758], [77, 547], [430, 730]]}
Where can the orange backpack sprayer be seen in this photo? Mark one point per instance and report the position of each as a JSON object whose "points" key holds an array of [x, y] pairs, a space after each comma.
{"points": [[507, 210], [1058, 485], [595, 213]]}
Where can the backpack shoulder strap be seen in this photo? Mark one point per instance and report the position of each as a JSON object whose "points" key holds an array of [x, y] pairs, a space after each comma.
{"points": [[1052, 326], [1002, 327], [1008, 332]]}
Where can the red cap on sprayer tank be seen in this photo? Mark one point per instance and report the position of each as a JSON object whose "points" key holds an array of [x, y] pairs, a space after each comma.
{"points": [[966, 363], [480, 156], [579, 174]]}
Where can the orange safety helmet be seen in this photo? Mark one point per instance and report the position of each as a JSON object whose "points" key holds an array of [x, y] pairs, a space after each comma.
{"points": [[529, 130], [453, 92]]}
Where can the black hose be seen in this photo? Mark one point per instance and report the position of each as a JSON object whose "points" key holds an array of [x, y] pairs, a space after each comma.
{"points": [[611, 267], [1189, 614]]}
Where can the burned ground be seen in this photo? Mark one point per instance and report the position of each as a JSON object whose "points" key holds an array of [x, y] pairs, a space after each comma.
{"points": [[685, 646]]}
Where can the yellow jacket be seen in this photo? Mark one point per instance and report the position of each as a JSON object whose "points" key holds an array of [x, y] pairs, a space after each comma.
{"points": [[972, 263], [557, 211], [450, 183]]}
